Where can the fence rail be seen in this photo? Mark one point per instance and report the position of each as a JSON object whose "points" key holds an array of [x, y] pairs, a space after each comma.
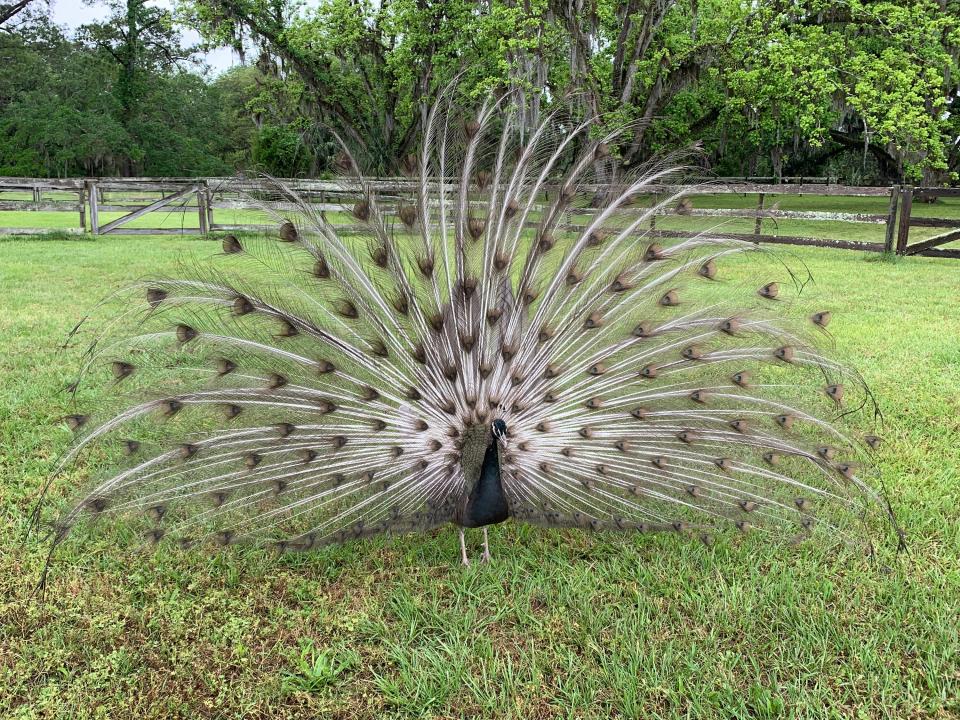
{"points": [[136, 198]]}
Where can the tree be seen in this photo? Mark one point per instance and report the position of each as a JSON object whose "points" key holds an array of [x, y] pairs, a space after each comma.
{"points": [[144, 42], [266, 118], [60, 113], [864, 75], [372, 68], [10, 9], [866, 88]]}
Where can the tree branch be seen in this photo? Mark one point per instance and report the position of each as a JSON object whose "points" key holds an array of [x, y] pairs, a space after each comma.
{"points": [[7, 11]]}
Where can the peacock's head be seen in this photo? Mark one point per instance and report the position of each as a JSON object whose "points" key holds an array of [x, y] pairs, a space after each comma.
{"points": [[499, 429]]}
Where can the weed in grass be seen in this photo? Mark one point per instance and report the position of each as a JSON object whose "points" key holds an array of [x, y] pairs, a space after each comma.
{"points": [[884, 257], [315, 669]]}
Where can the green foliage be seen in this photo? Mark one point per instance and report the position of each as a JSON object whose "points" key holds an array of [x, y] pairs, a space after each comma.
{"points": [[769, 88], [51, 118], [278, 150], [863, 89], [874, 71], [315, 669], [143, 42], [62, 113]]}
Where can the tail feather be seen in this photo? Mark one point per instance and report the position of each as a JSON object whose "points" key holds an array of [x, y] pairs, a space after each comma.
{"points": [[314, 386]]}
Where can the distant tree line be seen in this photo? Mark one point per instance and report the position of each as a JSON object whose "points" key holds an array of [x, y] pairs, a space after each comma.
{"points": [[866, 90], [124, 97]]}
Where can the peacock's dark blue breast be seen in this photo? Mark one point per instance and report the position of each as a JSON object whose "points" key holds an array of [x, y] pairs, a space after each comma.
{"points": [[487, 504]]}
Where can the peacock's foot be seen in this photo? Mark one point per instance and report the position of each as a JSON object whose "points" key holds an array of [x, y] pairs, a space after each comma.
{"points": [[464, 560], [486, 557]]}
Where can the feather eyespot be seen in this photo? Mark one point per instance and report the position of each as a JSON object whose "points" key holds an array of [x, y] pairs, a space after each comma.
{"points": [[708, 269], [730, 326], [242, 306], [361, 210], [785, 421], [185, 333], [476, 226], [649, 371], [231, 245], [122, 370], [785, 353], [408, 215], [670, 299], [321, 271], [769, 291], [288, 232]]}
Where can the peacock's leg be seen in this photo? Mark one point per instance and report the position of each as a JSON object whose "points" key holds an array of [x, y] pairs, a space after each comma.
{"points": [[486, 548], [463, 549]]}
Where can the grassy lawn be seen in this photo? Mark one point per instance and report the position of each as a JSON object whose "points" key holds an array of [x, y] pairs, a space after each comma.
{"points": [[562, 624]]}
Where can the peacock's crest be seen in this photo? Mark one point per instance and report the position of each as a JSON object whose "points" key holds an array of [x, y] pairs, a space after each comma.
{"points": [[324, 384]]}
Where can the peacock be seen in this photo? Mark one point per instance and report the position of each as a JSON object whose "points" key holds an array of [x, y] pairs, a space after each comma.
{"points": [[510, 339]]}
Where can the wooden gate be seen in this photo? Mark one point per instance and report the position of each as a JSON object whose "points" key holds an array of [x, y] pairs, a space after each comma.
{"points": [[176, 201], [928, 247]]}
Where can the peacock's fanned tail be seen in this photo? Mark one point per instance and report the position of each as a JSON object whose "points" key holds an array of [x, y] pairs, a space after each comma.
{"points": [[319, 384]]}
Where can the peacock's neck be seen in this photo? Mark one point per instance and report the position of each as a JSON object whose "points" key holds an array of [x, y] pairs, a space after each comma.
{"points": [[487, 503]]}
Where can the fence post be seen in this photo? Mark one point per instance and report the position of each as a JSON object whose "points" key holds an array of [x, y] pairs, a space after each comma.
{"points": [[202, 208], [83, 207], [208, 202], [903, 231], [94, 209], [36, 195], [891, 218], [759, 221]]}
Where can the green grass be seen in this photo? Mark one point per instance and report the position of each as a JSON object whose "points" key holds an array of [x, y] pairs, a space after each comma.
{"points": [[562, 624]]}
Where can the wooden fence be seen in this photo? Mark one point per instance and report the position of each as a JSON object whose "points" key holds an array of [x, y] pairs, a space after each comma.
{"points": [[200, 198], [928, 247]]}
